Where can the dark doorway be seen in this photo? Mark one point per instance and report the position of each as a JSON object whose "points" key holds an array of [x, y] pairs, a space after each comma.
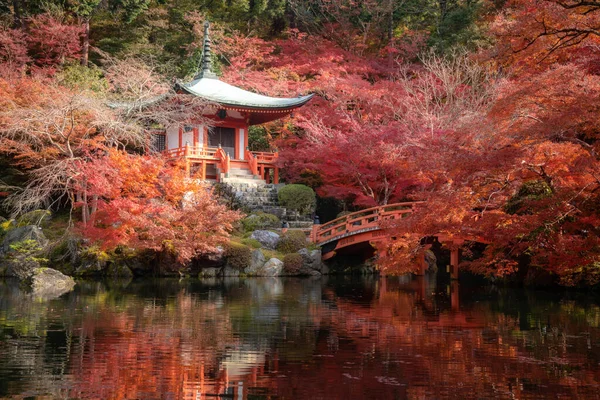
{"points": [[224, 137]]}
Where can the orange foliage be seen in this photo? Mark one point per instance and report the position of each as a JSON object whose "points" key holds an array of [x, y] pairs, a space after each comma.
{"points": [[143, 202]]}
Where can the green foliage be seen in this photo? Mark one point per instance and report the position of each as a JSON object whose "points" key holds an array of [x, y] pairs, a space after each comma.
{"points": [[238, 255], [292, 241], [297, 197], [251, 243], [77, 77], [95, 254], [457, 27], [292, 263], [260, 220], [29, 249], [528, 192], [6, 225], [258, 139]]}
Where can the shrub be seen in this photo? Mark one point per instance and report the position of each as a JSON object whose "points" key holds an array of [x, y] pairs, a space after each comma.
{"points": [[297, 197], [252, 243], [528, 193], [260, 220], [238, 255], [292, 263], [292, 241]]}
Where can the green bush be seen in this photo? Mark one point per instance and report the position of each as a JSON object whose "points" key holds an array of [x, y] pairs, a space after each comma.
{"points": [[292, 263], [297, 197], [260, 220], [238, 255], [292, 241], [251, 243], [529, 192]]}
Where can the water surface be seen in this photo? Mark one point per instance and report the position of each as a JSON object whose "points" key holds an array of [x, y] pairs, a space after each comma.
{"points": [[326, 338]]}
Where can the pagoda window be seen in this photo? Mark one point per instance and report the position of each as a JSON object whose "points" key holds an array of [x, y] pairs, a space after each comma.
{"points": [[224, 137], [159, 142]]}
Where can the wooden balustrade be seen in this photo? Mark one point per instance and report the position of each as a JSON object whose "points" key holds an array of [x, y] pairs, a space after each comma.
{"points": [[258, 161], [364, 220]]}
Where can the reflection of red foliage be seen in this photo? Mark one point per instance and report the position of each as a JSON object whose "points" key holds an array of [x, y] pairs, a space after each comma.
{"points": [[399, 344]]}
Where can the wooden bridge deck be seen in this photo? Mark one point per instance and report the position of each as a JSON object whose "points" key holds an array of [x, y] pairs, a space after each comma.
{"points": [[369, 226]]}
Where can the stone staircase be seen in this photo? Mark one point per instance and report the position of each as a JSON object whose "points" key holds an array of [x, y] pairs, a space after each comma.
{"points": [[257, 195]]}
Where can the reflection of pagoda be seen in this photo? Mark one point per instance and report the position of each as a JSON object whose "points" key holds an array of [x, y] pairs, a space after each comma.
{"points": [[221, 151]]}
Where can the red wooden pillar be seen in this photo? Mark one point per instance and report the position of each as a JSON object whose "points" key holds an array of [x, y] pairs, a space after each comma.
{"points": [[203, 169], [454, 259], [268, 176], [262, 172], [276, 175], [237, 153]]}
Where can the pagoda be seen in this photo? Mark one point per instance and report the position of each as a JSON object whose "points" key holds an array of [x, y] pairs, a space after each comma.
{"points": [[218, 150]]}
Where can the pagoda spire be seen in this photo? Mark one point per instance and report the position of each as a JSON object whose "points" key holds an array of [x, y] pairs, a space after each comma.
{"points": [[206, 71]]}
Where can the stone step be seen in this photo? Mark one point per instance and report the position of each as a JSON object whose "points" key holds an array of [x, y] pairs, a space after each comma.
{"points": [[247, 181]]}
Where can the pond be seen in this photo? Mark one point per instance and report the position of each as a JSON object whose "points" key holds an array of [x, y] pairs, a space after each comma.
{"points": [[325, 338]]}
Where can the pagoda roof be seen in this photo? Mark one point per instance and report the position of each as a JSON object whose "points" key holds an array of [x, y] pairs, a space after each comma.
{"points": [[217, 91]]}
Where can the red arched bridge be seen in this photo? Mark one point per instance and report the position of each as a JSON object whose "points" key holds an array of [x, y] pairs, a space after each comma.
{"points": [[369, 226]]}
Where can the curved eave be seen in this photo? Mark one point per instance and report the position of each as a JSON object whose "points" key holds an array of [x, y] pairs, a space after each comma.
{"points": [[229, 96]]}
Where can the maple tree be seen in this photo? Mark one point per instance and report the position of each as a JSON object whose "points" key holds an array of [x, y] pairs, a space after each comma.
{"points": [[145, 202]]}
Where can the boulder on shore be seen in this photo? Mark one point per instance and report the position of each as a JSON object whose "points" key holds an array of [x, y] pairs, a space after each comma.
{"points": [[311, 260], [48, 283], [273, 267], [267, 239], [257, 261]]}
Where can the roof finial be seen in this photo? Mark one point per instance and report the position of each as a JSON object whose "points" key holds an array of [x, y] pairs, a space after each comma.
{"points": [[206, 55]]}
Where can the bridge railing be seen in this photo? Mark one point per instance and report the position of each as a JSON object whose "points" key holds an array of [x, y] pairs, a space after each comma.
{"points": [[363, 220]]}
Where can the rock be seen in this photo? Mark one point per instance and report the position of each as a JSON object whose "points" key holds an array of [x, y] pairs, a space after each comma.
{"points": [[21, 267], [20, 234], [214, 259], [209, 272], [49, 283], [256, 262], [273, 267], [119, 270], [312, 259], [230, 272], [266, 238]]}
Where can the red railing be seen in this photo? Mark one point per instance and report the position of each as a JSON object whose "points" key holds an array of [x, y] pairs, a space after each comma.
{"points": [[364, 220], [264, 157], [252, 162], [192, 152], [225, 160]]}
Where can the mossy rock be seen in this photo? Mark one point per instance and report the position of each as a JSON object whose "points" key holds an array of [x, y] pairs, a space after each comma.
{"points": [[35, 217], [291, 241], [255, 244], [238, 255], [260, 220], [118, 270]]}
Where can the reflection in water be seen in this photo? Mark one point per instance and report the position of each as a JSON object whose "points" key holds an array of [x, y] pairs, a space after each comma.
{"points": [[343, 338]]}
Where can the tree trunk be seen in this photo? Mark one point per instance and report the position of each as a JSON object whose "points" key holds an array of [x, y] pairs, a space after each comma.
{"points": [[17, 14], [85, 46]]}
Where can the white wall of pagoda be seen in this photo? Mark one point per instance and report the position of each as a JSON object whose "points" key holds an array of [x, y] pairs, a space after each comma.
{"points": [[242, 143], [173, 137]]}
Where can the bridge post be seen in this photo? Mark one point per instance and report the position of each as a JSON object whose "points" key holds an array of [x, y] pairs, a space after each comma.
{"points": [[454, 260]]}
